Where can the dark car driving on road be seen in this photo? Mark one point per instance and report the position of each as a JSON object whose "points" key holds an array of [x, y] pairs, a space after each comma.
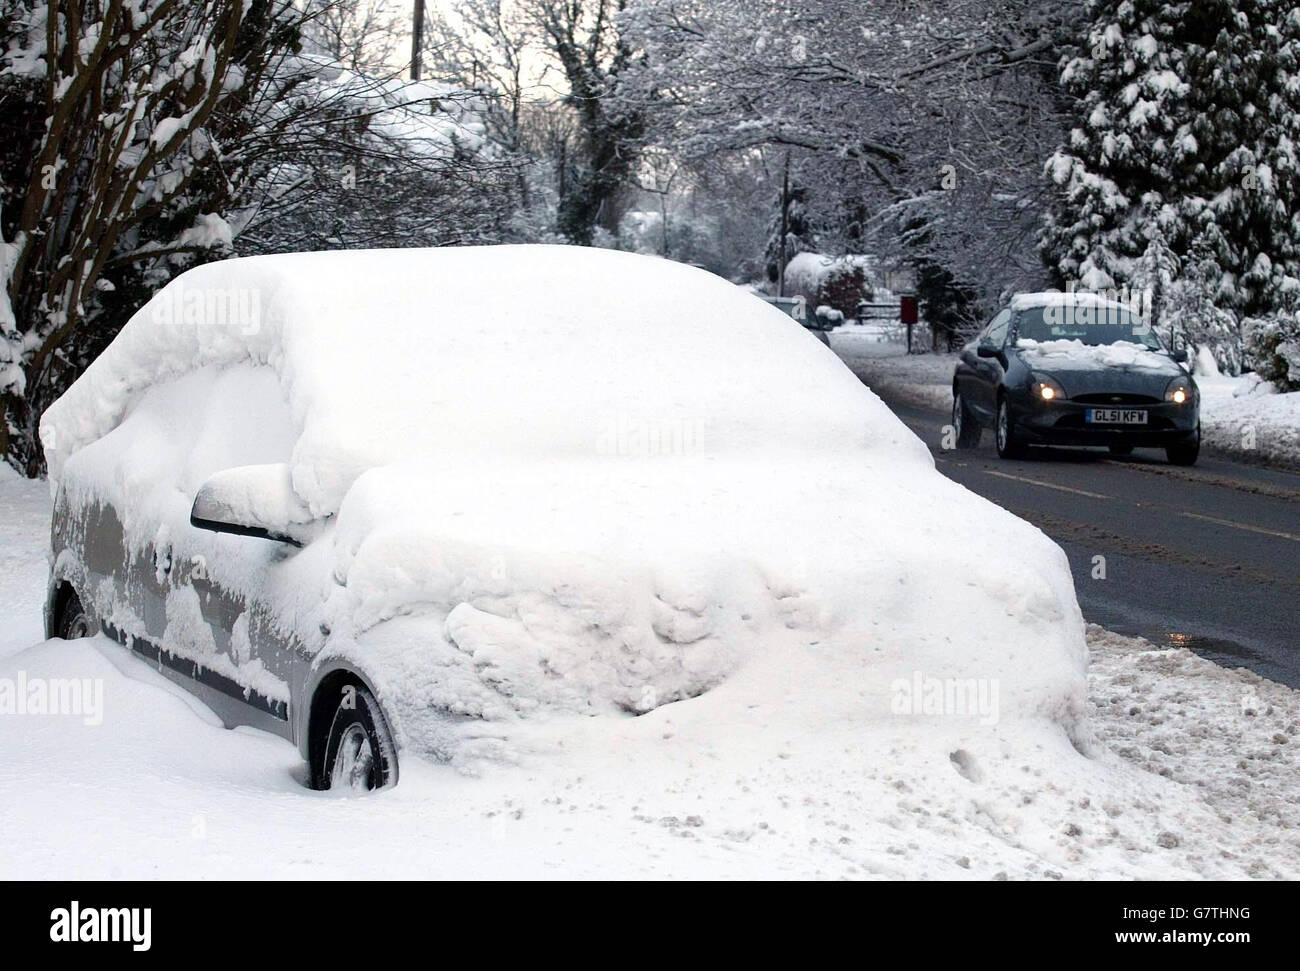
{"points": [[1075, 369]]}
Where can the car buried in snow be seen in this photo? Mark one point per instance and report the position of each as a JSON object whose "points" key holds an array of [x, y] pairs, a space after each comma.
{"points": [[1075, 369], [375, 512]]}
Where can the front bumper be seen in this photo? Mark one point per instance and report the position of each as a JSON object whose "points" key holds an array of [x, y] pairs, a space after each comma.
{"points": [[1064, 422]]}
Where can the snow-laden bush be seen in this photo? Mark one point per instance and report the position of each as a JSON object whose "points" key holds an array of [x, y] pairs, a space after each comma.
{"points": [[1273, 344]]}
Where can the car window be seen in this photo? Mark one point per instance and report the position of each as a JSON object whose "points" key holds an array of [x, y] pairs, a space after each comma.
{"points": [[1090, 325], [997, 329]]}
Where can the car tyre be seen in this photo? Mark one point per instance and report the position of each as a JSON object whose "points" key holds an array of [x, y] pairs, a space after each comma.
{"points": [[1120, 448], [1009, 444], [965, 423], [75, 621], [359, 754], [1185, 453]]}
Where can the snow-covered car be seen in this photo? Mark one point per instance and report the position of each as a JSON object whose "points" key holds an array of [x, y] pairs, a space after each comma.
{"points": [[1075, 369], [358, 500]]}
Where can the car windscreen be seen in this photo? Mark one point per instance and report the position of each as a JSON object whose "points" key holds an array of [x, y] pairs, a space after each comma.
{"points": [[791, 308], [1086, 324]]}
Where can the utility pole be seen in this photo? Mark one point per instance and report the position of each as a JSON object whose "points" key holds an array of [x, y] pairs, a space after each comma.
{"points": [[417, 38], [785, 222]]}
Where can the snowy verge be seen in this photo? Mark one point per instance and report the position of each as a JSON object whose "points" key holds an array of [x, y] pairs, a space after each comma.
{"points": [[1193, 775], [24, 558], [1246, 417], [923, 380], [1229, 735]]}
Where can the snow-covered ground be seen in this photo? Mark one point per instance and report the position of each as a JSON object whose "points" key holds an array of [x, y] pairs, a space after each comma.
{"points": [[1246, 417], [1192, 773], [1242, 416]]}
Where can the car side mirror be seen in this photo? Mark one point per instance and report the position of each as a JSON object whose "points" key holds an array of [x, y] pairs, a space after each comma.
{"points": [[988, 350], [252, 500], [1180, 355]]}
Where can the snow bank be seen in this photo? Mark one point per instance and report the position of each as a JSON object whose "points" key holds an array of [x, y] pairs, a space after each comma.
{"points": [[1196, 779], [1246, 415], [559, 481]]}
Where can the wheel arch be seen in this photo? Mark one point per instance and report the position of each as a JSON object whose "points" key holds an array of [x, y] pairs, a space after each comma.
{"points": [[322, 694]]}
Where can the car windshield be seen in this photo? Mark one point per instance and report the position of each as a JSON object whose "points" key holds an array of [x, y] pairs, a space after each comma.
{"points": [[789, 306], [1087, 324]]}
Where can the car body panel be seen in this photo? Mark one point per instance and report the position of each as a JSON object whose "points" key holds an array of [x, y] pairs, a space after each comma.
{"points": [[130, 590]]}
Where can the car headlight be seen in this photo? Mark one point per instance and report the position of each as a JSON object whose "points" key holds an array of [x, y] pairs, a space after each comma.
{"points": [[1179, 390], [1044, 387]]}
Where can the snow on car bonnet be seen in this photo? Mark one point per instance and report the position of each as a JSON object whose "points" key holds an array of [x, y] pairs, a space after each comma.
{"points": [[1075, 355]]}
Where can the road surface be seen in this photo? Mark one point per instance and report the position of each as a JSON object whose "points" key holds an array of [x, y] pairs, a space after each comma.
{"points": [[1206, 558]]}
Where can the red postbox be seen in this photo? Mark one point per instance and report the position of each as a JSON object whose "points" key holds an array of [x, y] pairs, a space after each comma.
{"points": [[907, 310], [907, 316]]}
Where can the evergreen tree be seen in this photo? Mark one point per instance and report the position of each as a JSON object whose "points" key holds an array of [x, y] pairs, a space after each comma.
{"points": [[800, 235], [1184, 156]]}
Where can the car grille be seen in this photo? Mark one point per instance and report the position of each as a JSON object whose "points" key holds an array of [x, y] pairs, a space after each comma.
{"points": [[1115, 398]]}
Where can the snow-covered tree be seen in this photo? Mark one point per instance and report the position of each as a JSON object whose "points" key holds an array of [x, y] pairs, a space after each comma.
{"points": [[1183, 161], [141, 137], [113, 161], [368, 36], [800, 233], [920, 127], [566, 66]]}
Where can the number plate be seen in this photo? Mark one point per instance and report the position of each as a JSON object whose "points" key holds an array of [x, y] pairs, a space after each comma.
{"points": [[1117, 416]]}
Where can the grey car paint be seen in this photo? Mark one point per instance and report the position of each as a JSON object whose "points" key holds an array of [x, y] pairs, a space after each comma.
{"points": [[90, 557]]}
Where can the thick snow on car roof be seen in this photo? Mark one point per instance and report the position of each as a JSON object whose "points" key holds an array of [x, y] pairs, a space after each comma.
{"points": [[1057, 298], [389, 355]]}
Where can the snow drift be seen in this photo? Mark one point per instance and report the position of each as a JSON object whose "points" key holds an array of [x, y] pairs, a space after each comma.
{"points": [[557, 481]]}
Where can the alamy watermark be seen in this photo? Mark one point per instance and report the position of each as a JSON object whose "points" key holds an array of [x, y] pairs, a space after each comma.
{"points": [[76, 924], [962, 697], [234, 308], [1115, 307], [78, 697], [638, 436]]}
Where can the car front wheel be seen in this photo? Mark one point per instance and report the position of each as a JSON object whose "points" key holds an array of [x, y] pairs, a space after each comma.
{"points": [[1009, 444], [1185, 453], [74, 620], [964, 423], [359, 753]]}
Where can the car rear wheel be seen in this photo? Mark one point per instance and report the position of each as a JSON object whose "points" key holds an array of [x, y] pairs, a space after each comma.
{"points": [[1009, 444], [74, 620], [1185, 453], [359, 753], [1119, 448], [964, 423]]}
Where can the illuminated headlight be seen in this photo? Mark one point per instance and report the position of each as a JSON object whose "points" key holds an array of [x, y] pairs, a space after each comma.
{"points": [[1046, 388], [1179, 391]]}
